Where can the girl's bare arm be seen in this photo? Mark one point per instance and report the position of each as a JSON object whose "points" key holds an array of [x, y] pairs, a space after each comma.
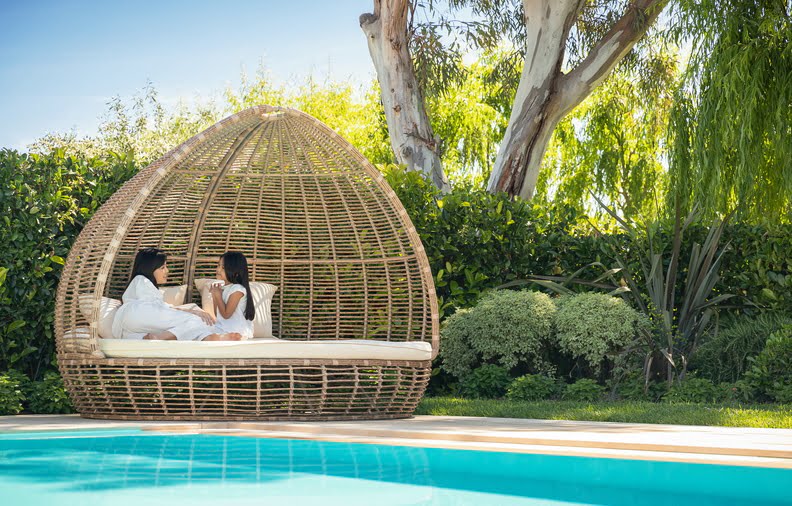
{"points": [[226, 309]]}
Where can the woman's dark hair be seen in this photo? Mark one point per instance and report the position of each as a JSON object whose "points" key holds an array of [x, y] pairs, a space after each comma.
{"points": [[147, 261], [236, 271]]}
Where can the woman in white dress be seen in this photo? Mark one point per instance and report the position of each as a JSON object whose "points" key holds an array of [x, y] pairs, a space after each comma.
{"points": [[144, 315]]}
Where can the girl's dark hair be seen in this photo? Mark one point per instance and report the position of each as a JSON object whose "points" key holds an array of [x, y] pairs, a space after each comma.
{"points": [[236, 271], [147, 261]]}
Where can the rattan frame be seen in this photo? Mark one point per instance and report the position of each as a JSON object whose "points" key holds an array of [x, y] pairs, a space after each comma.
{"points": [[315, 218]]}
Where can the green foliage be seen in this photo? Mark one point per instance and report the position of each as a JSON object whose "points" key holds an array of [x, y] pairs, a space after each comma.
{"points": [[532, 387], [697, 390], [633, 387], [44, 203], [770, 375], [584, 390], [507, 328], [486, 382], [612, 144], [681, 302], [47, 396], [476, 241], [758, 266], [730, 146], [361, 122], [594, 326], [11, 395], [469, 124], [723, 357], [145, 131]]}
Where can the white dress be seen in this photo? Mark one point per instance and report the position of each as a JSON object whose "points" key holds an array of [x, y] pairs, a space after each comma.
{"points": [[143, 311], [236, 322]]}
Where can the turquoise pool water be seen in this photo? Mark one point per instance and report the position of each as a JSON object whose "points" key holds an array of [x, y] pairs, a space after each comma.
{"points": [[132, 468]]}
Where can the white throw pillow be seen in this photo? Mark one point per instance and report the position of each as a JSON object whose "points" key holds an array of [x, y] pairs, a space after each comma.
{"points": [[202, 285], [173, 295], [107, 311], [262, 301]]}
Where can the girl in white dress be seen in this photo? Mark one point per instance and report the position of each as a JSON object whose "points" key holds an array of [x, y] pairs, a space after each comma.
{"points": [[233, 301], [144, 315]]}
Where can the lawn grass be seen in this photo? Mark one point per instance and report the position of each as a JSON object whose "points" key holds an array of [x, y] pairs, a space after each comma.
{"points": [[762, 416]]}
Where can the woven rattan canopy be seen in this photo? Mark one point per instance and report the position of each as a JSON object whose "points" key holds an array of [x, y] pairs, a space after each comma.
{"points": [[314, 218]]}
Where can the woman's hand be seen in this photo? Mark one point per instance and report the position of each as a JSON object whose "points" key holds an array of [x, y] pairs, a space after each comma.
{"points": [[206, 317]]}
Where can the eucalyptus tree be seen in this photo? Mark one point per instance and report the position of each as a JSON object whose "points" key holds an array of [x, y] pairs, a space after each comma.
{"points": [[613, 145], [566, 49]]}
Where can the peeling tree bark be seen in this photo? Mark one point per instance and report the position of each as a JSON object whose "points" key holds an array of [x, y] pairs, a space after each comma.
{"points": [[535, 110], [411, 136], [545, 95]]}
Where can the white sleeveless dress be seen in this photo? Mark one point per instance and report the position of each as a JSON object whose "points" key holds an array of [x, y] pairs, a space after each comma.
{"points": [[236, 322], [143, 311]]}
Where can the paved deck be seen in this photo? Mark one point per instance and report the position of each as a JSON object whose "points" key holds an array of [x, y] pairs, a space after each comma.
{"points": [[722, 445]]}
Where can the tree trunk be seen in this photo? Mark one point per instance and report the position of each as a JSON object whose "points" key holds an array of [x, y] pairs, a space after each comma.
{"points": [[535, 109], [545, 95], [410, 132]]}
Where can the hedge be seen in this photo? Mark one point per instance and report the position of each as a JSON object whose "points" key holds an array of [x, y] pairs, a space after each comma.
{"points": [[475, 241]]}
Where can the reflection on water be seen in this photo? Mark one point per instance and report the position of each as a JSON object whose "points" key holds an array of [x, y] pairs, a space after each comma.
{"points": [[151, 461], [209, 469]]}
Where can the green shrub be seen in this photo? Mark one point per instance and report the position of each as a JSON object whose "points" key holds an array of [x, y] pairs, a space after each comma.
{"points": [[11, 395], [739, 391], [633, 388], [697, 390], [44, 202], [770, 375], [757, 266], [476, 241], [723, 357], [584, 390], [487, 382], [532, 387], [594, 325], [47, 396], [507, 328]]}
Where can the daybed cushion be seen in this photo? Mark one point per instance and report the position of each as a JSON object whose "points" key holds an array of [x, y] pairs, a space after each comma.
{"points": [[107, 311], [173, 295], [262, 300], [358, 349]]}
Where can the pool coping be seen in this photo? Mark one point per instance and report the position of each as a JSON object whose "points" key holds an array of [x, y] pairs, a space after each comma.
{"points": [[674, 443]]}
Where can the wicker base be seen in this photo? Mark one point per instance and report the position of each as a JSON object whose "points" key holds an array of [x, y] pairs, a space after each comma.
{"points": [[125, 390]]}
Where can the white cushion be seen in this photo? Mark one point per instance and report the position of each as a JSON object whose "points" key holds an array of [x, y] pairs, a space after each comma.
{"points": [[262, 301], [107, 311], [351, 349], [173, 295], [202, 285]]}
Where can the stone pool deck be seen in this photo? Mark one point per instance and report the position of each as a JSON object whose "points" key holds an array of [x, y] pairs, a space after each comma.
{"points": [[681, 443]]}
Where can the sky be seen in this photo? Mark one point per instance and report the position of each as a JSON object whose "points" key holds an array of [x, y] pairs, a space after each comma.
{"points": [[61, 61]]}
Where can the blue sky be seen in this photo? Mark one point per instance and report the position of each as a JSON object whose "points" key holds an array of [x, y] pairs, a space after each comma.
{"points": [[61, 61]]}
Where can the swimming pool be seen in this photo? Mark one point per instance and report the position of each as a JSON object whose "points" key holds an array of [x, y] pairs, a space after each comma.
{"points": [[134, 468]]}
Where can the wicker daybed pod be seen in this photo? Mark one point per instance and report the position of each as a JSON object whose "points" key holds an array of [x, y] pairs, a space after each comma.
{"points": [[315, 219]]}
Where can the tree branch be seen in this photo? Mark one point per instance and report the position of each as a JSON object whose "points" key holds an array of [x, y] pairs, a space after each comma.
{"points": [[603, 57], [412, 139]]}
